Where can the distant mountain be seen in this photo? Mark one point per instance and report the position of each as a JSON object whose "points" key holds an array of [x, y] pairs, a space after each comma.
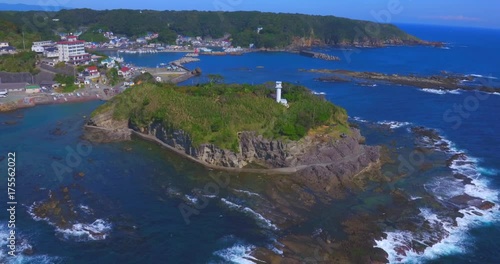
{"points": [[23, 7]]}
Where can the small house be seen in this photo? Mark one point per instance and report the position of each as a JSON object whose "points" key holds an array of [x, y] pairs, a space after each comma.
{"points": [[7, 50], [31, 89], [125, 72], [93, 71]]}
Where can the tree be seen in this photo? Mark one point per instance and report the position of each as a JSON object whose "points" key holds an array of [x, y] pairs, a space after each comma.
{"points": [[60, 65], [112, 75], [144, 78]]}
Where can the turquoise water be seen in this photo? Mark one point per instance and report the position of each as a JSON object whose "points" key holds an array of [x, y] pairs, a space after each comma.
{"points": [[131, 191]]}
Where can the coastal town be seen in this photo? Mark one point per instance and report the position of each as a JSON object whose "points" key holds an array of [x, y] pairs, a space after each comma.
{"points": [[201, 132], [75, 67], [72, 70]]}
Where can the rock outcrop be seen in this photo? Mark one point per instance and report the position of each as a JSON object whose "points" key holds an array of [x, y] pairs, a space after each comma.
{"points": [[320, 156], [103, 128]]}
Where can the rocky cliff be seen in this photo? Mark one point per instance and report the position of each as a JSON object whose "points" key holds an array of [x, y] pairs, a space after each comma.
{"points": [[103, 128], [316, 156]]}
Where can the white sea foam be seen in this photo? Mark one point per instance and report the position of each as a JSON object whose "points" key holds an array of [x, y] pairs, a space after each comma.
{"points": [[262, 221], [22, 245], [483, 76], [85, 209], [98, 230], [444, 188], [359, 119], [445, 238], [479, 188], [394, 124], [490, 172], [191, 199], [238, 253], [440, 91], [33, 215], [277, 251], [434, 91], [398, 244], [318, 93], [247, 192]]}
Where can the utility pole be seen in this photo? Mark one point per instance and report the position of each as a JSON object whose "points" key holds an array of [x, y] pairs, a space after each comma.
{"points": [[24, 45]]}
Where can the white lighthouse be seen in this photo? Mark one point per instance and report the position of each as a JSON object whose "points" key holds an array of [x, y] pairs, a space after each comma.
{"points": [[278, 92]]}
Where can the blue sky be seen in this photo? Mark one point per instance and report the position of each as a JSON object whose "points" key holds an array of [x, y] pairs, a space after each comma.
{"points": [[471, 13]]}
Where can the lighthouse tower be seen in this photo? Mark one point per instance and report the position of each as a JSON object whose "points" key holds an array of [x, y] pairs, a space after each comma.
{"points": [[278, 92]]}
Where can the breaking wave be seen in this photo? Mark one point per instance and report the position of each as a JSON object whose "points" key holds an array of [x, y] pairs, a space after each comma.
{"points": [[467, 191], [80, 232], [261, 220], [394, 124], [234, 251], [440, 91], [247, 193], [98, 230], [24, 252]]}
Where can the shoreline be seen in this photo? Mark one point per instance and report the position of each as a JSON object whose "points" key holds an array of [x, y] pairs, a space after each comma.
{"points": [[267, 171], [443, 81], [290, 49], [282, 171], [19, 104]]}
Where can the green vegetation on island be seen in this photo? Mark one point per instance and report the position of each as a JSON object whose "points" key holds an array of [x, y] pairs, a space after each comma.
{"points": [[215, 113], [264, 30]]}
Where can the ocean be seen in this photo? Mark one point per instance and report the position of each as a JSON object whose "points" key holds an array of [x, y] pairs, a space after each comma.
{"points": [[125, 201]]}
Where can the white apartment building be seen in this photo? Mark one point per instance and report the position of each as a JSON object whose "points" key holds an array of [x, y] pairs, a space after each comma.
{"points": [[39, 46], [43, 43], [72, 51]]}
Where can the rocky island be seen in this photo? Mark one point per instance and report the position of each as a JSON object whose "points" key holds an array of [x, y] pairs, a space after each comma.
{"points": [[442, 81], [240, 128]]}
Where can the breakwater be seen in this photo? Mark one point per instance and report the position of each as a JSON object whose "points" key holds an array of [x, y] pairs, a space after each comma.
{"points": [[318, 55]]}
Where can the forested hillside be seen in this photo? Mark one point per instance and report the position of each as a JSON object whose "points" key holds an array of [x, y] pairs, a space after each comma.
{"points": [[278, 30]]}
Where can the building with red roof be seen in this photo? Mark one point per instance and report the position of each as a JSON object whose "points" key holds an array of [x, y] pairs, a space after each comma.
{"points": [[93, 71], [125, 71]]}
